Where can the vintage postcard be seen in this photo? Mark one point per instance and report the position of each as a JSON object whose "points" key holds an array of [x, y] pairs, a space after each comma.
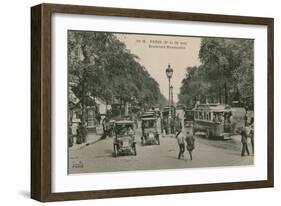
{"points": [[151, 102]]}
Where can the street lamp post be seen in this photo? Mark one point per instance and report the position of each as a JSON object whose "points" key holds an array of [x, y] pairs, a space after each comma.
{"points": [[169, 73], [172, 96]]}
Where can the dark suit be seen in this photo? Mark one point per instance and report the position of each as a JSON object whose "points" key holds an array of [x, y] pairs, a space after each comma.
{"points": [[252, 140], [244, 142], [180, 137], [190, 144]]}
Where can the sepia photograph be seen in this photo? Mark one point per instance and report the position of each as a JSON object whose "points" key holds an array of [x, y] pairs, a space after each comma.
{"points": [[154, 102]]}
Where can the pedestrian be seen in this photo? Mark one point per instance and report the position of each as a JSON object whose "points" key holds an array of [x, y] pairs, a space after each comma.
{"points": [[244, 141], [79, 132], [105, 124], [172, 125], [84, 132], [252, 137], [98, 117], [190, 143], [180, 138], [230, 117], [246, 119], [252, 140], [70, 137], [178, 124], [135, 119], [161, 123], [165, 123]]}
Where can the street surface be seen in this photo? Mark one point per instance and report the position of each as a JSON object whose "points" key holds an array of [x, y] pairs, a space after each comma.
{"points": [[98, 157]]}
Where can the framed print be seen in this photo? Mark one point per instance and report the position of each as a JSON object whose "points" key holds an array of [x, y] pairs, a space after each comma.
{"points": [[132, 102]]}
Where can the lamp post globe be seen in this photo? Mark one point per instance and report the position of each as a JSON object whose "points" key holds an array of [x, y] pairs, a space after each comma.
{"points": [[169, 72]]}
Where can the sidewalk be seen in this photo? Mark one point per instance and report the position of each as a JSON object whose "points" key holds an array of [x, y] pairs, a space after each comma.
{"points": [[91, 138]]}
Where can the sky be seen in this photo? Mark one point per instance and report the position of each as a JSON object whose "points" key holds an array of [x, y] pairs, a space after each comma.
{"points": [[156, 52]]}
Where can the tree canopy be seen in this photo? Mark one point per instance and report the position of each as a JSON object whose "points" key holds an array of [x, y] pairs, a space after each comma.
{"points": [[224, 75], [101, 66]]}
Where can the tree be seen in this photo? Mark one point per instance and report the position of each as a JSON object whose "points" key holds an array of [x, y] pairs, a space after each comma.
{"points": [[101, 66], [226, 70]]}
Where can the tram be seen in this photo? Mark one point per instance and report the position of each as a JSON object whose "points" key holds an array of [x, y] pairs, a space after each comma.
{"points": [[215, 120]]}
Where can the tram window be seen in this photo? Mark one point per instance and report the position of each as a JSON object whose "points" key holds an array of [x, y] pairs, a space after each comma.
{"points": [[208, 116], [205, 116], [215, 118], [220, 117], [200, 115]]}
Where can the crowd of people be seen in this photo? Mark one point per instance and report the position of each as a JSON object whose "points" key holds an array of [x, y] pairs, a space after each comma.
{"points": [[185, 139], [80, 134], [185, 136], [170, 123]]}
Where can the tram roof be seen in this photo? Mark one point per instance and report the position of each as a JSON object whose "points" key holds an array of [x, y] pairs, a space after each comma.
{"points": [[213, 107], [149, 118], [149, 112], [124, 122]]}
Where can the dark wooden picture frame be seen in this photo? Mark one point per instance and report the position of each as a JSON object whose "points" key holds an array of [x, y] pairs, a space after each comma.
{"points": [[41, 117]]}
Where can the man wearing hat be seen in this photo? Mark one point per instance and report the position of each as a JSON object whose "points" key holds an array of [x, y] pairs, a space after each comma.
{"points": [[180, 138], [244, 140], [190, 142]]}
